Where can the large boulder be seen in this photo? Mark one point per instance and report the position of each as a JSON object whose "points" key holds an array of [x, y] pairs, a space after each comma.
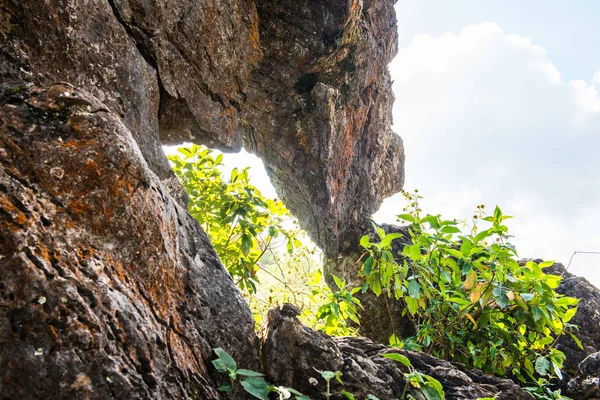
{"points": [[107, 287], [291, 352]]}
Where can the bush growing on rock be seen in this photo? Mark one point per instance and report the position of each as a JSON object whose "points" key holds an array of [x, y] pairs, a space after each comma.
{"points": [[468, 296]]}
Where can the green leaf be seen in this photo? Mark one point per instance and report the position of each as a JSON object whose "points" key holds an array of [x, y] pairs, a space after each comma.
{"points": [[394, 341], [364, 241], [433, 389], [368, 266], [500, 297], [414, 289], [470, 280], [557, 370], [257, 387], [528, 366], [226, 359], [246, 244], [450, 229], [542, 366], [576, 340], [432, 220], [387, 240], [398, 357], [218, 363], [234, 174], [527, 296], [566, 301], [327, 375], [537, 313], [412, 251], [376, 286], [371, 397], [407, 217], [247, 372], [347, 395], [454, 253], [465, 248], [570, 313], [482, 235], [225, 388], [338, 282], [412, 305]]}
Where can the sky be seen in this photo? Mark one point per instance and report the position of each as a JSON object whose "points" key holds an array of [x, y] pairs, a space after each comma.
{"points": [[498, 103]]}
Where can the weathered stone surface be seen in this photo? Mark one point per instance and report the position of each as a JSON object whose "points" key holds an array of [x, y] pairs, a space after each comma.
{"points": [[587, 317], [177, 65], [587, 384], [316, 107], [203, 53], [318, 113], [577, 364], [82, 43], [107, 287], [291, 350]]}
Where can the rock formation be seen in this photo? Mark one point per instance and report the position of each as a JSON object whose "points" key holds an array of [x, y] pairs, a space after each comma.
{"points": [[581, 380], [364, 371], [108, 288], [318, 113]]}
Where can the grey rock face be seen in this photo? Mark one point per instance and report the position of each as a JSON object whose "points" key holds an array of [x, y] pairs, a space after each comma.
{"points": [[581, 365], [291, 351], [318, 113], [107, 287], [587, 384], [587, 317]]}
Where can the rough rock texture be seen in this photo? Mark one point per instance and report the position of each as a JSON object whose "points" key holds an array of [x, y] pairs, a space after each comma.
{"points": [[577, 366], [291, 350], [587, 384], [203, 53], [318, 113], [587, 317], [316, 107], [107, 287], [177, 65]]}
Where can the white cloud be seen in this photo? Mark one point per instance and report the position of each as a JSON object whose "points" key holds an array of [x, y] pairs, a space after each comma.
{"points": [[486, 118]]}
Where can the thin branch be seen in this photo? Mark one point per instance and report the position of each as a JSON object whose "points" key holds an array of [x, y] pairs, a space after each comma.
{"points": [[580, 252]]}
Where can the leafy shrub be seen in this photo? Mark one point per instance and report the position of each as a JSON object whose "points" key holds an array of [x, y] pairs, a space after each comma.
{"points": [[246, 230], [240, 222], [471, 301]]}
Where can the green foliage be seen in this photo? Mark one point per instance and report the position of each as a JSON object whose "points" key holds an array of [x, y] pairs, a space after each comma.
{"points": [[470, 299], [541, 390], [337, 306], [251, 381], [247, 232], [297, 279], [240, 222], [254, 383], [430, 387]]}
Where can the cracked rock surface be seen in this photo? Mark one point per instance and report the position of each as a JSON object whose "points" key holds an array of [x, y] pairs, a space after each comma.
{"points": [[108, 289], [291, 351]]}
